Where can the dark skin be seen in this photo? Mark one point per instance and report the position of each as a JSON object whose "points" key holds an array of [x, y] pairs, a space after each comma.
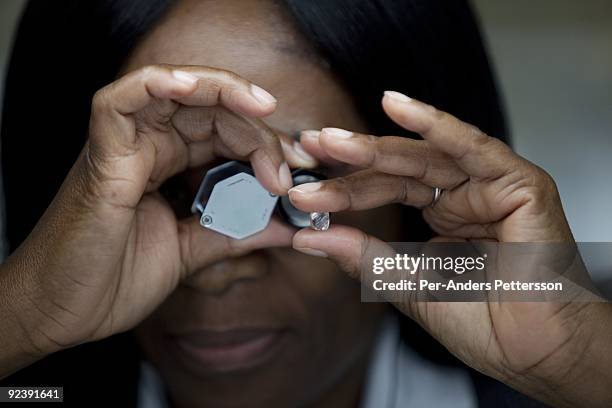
{"points": [[328, 331], [110, 254]]}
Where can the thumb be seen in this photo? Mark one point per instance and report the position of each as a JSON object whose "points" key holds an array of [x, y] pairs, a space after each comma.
{"points": [[201, 247], [353, 250]]}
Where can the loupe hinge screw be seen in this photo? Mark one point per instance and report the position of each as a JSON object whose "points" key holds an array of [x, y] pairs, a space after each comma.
{"points": [[207, 220]]}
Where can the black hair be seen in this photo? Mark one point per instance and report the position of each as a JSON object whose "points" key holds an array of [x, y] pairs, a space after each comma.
{"points": [[65, 50], [428, 49]]}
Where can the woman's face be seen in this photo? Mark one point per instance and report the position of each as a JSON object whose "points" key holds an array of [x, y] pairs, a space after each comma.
{"points": [[273, 327]]}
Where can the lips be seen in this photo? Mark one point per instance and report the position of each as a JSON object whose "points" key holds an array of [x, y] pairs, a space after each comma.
{"points": [[214, 352]]}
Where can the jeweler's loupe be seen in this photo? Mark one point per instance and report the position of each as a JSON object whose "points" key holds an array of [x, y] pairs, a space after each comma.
{"points": [[232, 202]]}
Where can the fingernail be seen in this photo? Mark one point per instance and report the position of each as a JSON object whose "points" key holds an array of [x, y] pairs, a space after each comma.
{"points": [[306, 188], [284, 176], [313, 134], [185, 77], [299, 149], [262, 96], [337, 133], [400, 97], [313, 252]]}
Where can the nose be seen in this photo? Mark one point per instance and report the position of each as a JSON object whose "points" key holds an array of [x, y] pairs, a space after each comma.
{"points": [[219, 277], [214, 262]]}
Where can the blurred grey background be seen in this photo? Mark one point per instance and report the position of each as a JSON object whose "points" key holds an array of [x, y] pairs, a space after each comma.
{"points": [[554, 63]]}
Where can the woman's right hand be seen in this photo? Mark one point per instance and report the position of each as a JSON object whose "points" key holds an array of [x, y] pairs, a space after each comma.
{"points": [[109, 248]]}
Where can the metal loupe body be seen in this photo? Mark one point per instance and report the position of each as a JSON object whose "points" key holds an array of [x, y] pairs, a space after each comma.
{"points": [[232, 202]]}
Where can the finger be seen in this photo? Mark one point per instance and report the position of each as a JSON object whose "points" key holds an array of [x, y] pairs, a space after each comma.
{"points": [[310, 141], [156, 91], [476, 153], [218, 132], [327, 165], [201, 247], [350, 248], [451, 225], [191, 85], [393, 155], [221, 87], [112, 130], [360, 191], [201, 86], [295, 154]]}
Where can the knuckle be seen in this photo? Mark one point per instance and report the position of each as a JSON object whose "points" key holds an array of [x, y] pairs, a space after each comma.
{"points": [[437, 114], [231, 93], [149, 71], [377, 149], [350, 266], [344, 187], [102, 100], [541, 186], [229, 76], [423, 169], [478, 137], [534, 195], [230, 83], [403, 191], [212, 90], [363, 240], [476, 133], [545, 180], [480, 141], [266, 141], [498, 146]]}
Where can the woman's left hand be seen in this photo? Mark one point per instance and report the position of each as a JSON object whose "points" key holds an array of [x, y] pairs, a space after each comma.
{"points": [[488, 190], [488, 193]]}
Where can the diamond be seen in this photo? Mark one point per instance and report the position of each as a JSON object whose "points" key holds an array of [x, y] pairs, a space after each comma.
{"points": [[319, 221]]}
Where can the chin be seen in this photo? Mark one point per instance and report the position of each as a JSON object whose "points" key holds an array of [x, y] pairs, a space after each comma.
{"points": [[268, 371]]}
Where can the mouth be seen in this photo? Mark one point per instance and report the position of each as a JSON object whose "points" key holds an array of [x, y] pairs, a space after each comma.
{"points": [[217, 352]]}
